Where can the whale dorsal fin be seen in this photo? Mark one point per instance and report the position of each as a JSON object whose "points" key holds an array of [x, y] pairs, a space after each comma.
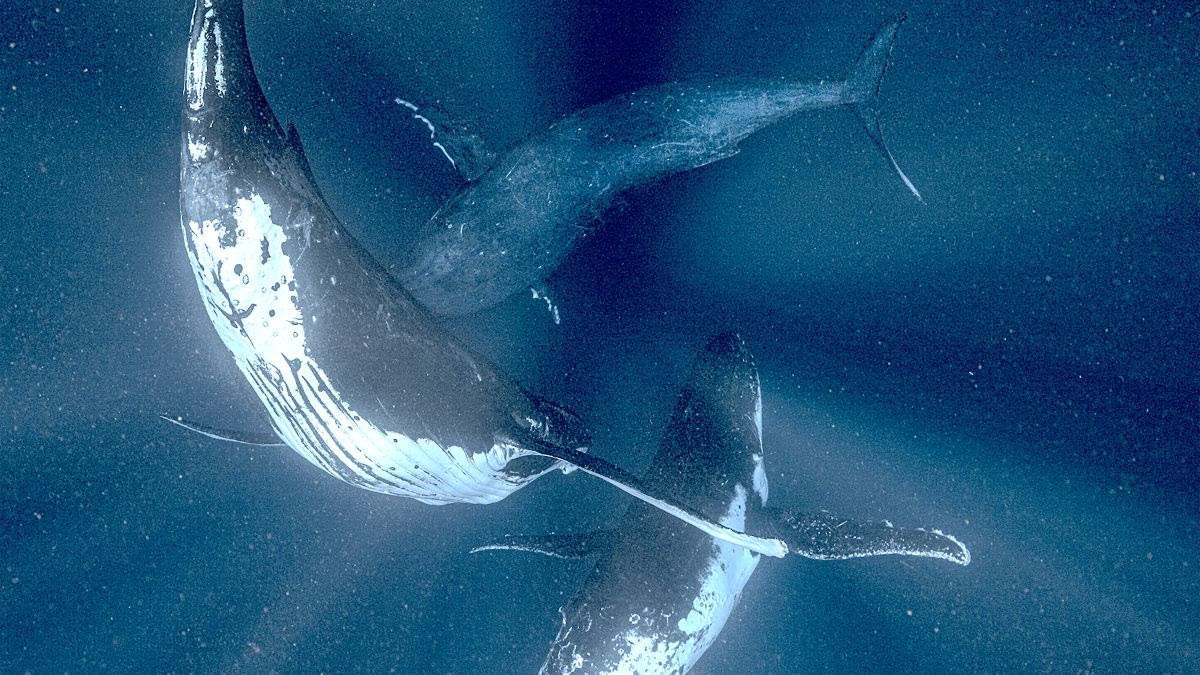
{"points": [[454, 140], [244, 437], [565, 546]]}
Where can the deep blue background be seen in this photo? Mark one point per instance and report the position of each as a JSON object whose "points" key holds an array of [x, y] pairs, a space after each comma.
{"points": [[1014, 361]]}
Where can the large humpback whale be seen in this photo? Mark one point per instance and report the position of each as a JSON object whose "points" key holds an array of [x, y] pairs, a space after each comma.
{"points": [[513, 225], [660, 593], [353, 374]]}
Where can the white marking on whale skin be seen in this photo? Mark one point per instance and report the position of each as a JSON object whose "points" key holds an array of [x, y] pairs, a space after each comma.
{"points": [[721, 582], [197, 63], [429, 125], [758, 411], [267, 338], [544, 296], [197, 150], [432, 130], [441, 147], [196, 66], [219, 68], [760, 478], [963, 558], [759, 481]]}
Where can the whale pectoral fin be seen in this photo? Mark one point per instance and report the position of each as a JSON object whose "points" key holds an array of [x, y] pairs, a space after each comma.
{"points": [[634, 486], [453, 139], [824, 536], [565, 546], [243, 437]]}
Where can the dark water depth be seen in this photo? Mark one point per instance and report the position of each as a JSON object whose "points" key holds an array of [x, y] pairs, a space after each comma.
{"points": [[1014, 361]]}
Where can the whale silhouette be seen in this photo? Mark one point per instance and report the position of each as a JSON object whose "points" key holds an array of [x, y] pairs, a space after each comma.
{"points": [[660, 592], [528, 208]]}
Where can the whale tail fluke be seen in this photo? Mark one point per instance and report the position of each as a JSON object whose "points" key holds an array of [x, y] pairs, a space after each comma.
{"points": [[863, 89]]}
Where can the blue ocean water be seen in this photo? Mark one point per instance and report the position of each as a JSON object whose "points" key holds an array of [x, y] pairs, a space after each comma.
{"points": [[1013, 361]]}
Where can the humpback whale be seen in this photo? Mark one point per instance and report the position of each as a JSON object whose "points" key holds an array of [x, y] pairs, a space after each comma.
{"points": [[352, 372], [660, 593], [519, 219]]}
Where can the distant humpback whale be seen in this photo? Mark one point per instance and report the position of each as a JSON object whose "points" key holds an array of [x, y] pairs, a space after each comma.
{"points": [[660, 593], [353, 374], [513, 225]]}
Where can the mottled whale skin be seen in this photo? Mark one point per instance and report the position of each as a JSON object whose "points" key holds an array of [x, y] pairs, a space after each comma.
{"points": [[660, 593], [509, 229], [354, 375]]}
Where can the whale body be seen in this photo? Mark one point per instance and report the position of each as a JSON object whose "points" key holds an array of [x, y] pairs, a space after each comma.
{"points": [[519, 219], [354, 375], [660, 593]]}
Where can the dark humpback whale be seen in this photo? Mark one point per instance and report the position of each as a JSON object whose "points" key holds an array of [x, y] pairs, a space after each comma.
{"points": [[660, 593], [510, 228], [353, 374]]}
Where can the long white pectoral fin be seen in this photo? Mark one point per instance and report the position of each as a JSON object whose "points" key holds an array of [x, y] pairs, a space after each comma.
{"points": [[566, 546], [824, 536], [630, 484], [243, 437]]}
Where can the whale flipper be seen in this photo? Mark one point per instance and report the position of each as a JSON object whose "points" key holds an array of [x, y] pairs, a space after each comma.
{"points": [[244, 437], [864, 83], [466, 151], [566, 546], [824, 536], [636, 487]]}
